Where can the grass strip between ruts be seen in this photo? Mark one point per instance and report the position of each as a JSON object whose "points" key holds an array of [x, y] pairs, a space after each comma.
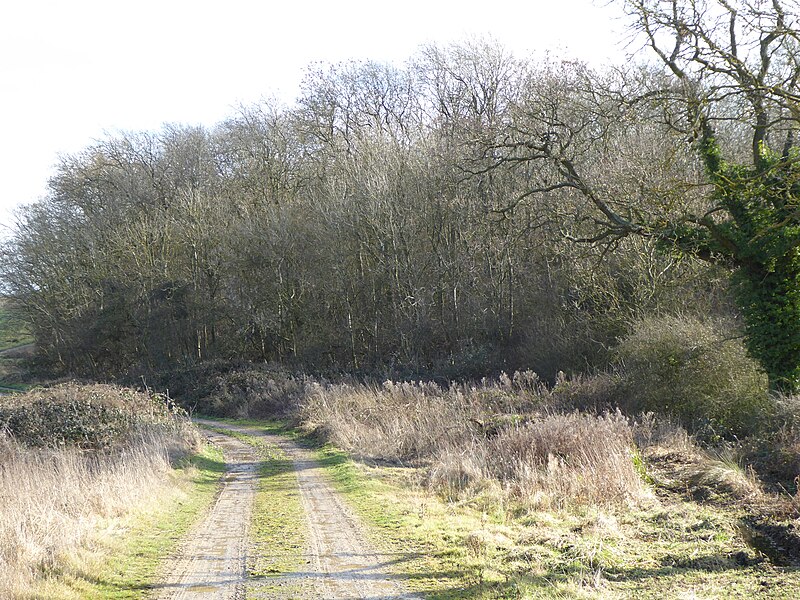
{"points": [[399, 520]]}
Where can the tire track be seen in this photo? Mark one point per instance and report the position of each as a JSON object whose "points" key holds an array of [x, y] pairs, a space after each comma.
{"points": [[211, 562], [342, 563]]}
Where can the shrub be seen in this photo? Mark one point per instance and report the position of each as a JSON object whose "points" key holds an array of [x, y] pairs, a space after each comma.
{"points": [[90, 417], [253, 392], [694, 371], [775, 453], [223, 389]]}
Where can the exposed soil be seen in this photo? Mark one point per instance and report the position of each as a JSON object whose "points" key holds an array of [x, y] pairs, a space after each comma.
{"points": [[23, 351], [769, 526], [211, 562], [778, 540], [341, 563]]}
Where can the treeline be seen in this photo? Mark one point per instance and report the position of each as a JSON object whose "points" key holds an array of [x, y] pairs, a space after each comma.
{"points": [[391, 219]]}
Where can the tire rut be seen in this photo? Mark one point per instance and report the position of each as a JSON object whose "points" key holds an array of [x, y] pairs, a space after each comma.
{"points": [[342, 564], [211, 561]]}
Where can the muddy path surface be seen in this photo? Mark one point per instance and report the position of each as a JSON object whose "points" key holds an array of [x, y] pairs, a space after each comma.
{"points": [[211, 561], [341, 564]]}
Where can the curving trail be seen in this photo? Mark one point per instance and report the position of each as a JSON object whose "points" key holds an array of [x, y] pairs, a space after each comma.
{"points": [[22, 351], [341, 563]]}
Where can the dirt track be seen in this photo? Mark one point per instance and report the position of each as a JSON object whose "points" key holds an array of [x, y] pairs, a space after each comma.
{"points": [[23, 351], [211, 561], [341, 563]]}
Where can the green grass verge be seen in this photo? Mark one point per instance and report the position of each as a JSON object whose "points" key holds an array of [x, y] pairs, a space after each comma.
{"points": [[483, 548], [487, 547], [131, 562], [12, 332], [429, 537]]}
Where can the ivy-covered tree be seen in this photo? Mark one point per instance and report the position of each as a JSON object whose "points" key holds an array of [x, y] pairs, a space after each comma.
{"points": [[739, 61], [717, 175], [758, 234]]}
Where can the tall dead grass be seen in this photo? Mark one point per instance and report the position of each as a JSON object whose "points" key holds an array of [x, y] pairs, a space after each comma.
{"points": [[396, 421], [552, 461], [506, 433], [54, 501]]}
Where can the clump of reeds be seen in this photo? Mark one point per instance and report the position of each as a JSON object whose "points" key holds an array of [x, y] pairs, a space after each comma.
{"points": [[513, 433], [553, 460], [395, 421]]}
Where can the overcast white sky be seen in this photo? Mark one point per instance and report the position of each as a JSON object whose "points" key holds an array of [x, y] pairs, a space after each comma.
{"points": [[71, 70]]}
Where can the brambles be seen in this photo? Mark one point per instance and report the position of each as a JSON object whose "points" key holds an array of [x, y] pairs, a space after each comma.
{"points": [[89, 417]]}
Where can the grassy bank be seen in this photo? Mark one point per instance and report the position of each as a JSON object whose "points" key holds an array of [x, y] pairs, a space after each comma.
{"points": [[665, 546], [685, 536], [516, 490], [12, 335], [12, 332], [98, 484]]}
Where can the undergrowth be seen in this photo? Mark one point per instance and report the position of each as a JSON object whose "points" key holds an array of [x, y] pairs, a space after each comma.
{"points": [[504, 436], [73, 460]]}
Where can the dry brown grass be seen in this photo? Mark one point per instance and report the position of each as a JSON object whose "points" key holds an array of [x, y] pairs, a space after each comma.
{"points": [[55, 501], [503, 435], [396, 421], [553, 461]]}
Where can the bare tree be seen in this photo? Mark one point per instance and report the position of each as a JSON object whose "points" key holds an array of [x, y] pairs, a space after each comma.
{"points": [[729, 67]]}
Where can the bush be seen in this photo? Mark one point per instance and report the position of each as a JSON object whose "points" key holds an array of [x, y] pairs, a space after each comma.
{"points": [[694, 371], [254, 393], [775, 453], [240, 390], [90, 417]]}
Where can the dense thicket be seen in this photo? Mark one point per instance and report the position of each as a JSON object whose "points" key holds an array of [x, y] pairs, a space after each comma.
{"points": [[371, 225]]}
